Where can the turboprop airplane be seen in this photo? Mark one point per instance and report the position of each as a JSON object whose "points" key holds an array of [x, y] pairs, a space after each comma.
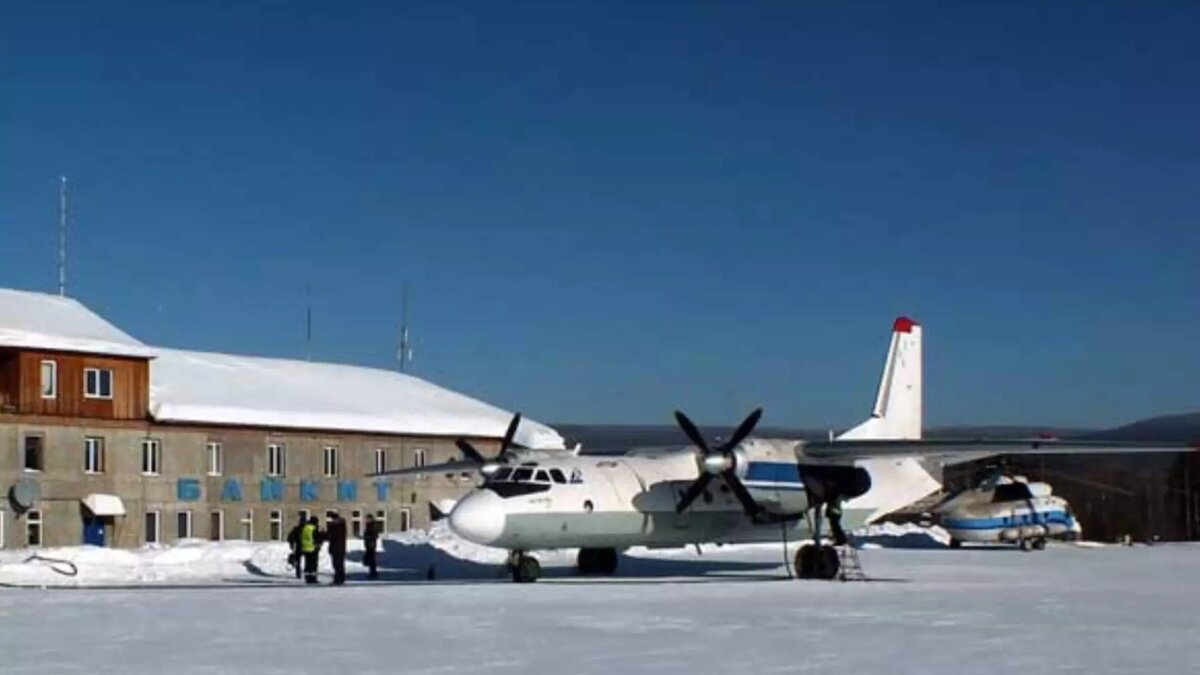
{"points": [[738, 491]]}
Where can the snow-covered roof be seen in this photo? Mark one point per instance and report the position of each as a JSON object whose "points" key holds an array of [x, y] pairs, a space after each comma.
{"points": [[207, 388], [49, 322]]}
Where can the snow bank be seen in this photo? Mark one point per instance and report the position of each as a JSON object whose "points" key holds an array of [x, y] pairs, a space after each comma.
{"points": [[906, 535]]}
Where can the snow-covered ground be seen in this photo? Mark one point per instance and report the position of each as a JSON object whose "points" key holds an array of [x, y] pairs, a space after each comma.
{"points": [[232, 607]]}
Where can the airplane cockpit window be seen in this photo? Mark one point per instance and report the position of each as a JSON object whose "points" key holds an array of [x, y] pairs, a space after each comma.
{"points": [[557, 476], [541, 476], [523, 474], [501, 474]]}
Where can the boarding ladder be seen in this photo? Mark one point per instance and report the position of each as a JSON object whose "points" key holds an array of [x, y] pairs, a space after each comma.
{"points": [[849, 566]]}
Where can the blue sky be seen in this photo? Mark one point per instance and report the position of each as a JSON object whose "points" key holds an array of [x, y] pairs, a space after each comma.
{"points": [[606, 211]]}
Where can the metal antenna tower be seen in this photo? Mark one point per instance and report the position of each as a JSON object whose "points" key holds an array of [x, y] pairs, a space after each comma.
{"points": [[404, 354], [62, 236]]}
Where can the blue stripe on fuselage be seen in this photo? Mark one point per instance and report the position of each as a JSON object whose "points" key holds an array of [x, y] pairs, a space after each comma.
{"points": [[1037, 518], [773, 472]]}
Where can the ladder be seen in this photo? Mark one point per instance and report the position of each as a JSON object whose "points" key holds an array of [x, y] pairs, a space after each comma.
{"points": [[849, 566]]}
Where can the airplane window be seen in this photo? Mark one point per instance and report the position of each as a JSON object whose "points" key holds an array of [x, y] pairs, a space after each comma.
{"points": [[558, 476], [541, 477], [502, 474], [522, 475]]}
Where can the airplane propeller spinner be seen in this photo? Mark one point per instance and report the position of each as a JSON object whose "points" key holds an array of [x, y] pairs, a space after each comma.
{"points": [[719, 461]]}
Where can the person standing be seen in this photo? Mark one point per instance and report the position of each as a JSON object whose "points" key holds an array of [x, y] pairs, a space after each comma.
{"points": [[309, 546], [295, 558], [370, 540], [335, 533]]}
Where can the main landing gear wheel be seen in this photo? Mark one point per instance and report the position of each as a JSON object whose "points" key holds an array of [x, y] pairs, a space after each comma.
{"points": [[817, 562], [525, 569], [601, 561], [1038, 544]]}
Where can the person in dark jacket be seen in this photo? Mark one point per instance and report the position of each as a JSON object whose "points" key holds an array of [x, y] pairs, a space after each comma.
{"points": [[370, 541], [310, 545], [335, 534], [295, 558]]}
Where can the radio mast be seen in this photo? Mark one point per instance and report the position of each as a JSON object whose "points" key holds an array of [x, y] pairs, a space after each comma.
{"points": [[62, 236], [404, 353]]}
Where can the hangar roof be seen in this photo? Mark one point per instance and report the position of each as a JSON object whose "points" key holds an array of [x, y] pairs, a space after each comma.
{"points": [[50, 322]]}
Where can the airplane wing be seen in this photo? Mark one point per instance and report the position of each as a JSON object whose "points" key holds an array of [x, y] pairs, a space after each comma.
{"points": [[954, 451]]}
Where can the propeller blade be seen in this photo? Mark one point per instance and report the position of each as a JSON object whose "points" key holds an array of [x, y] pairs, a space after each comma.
{"points": [[508, 435], [469, 451], [743, 430], [743, 495], [693, 492], [691, 431]]}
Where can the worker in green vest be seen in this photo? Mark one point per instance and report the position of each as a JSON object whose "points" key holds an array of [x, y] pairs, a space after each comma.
{"points": [[310, 545]]}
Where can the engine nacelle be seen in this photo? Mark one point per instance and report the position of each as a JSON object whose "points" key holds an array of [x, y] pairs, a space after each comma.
{"points": [[825, 482]]}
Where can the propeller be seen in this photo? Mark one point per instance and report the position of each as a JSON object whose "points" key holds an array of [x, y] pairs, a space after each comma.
{"points": [[719, 461], [473, 459]]}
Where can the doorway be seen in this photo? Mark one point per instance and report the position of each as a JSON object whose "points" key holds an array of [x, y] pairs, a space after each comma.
{"points": [[93, 531]]}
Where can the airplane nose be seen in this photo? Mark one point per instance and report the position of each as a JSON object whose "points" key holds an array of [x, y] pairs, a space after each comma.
{"points": [[479, 517]]}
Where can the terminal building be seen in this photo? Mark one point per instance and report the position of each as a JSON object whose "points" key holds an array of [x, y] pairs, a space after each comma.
{"points": [[105, 440]]}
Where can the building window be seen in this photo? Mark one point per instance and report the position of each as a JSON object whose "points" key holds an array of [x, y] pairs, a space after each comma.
{"points": [[33, 528], [419, 457], [35, 453], [151, 456], [405, 520], [248, 525], [329, 514], [331, 461], [277, 526], [97, 383], [276, 459], [49, 379], [356, 524], [216, 458], [381, 520], [183, 525], [93, 454], [380, 460], [153, 527], [216, 525]]}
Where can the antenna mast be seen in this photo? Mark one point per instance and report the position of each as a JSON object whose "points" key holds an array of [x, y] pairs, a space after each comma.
{"points": [[62, 236], [308, 322], [404, 355]]}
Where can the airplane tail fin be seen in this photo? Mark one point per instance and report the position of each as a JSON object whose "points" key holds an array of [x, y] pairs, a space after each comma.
{"points": [[897, 413]]}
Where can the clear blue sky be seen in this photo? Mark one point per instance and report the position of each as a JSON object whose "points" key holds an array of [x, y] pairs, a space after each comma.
{"points": [[609, 210]]}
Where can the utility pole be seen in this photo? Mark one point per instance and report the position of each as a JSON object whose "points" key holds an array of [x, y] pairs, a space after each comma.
{"points": [[404, 354], [62, 236]]}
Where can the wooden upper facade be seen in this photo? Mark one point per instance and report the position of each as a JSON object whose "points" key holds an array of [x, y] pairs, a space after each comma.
{"points": [[63, 384]]}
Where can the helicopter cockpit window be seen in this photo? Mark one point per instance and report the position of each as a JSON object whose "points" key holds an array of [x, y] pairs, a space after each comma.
{"points": [[522, 475], [557, 476], [1011, 492]]}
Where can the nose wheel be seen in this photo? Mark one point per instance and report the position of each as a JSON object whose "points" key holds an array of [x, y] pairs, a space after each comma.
{"points": [[525, 569]]}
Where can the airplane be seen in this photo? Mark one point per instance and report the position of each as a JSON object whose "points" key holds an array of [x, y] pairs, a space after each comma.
{"points": [[741, 490], [1006, 508]]}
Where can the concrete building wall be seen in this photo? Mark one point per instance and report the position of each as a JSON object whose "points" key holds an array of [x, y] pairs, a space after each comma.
{"points": [[183, 483]]}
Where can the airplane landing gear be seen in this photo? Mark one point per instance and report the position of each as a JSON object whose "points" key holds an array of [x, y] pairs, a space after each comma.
{"points": [[817, 562], [525, 569], [601, 561]]}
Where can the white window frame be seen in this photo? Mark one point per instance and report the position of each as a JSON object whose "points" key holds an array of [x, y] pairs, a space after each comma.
{"points": [[157, 515], [381, 520], [154, 466], [276, 460], [2, 514], [405, 520], [187, 517], [331, 461], [220, 533], [247, 523], [34, 519], [356, 524], [93, 455], [419, 457], [276, 528], [53, 392], [215, 450], [25, 453], [380, 460], [99, 393]]}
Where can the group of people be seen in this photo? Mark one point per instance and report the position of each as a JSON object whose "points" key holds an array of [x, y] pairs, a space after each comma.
{"points": [[306, 539]]}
